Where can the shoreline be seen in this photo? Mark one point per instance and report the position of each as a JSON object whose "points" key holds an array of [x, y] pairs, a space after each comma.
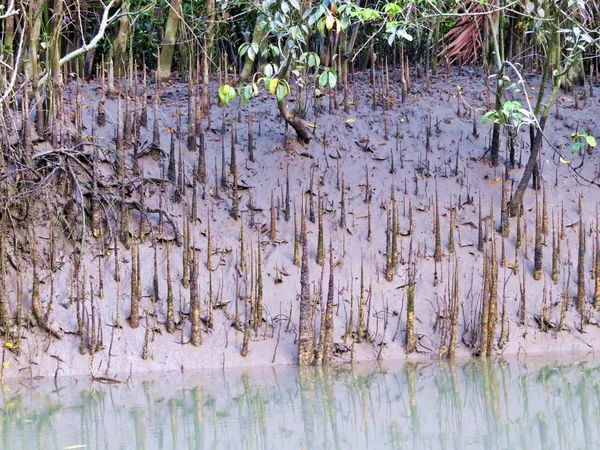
{"points": [[461, 360], [42, 370]]}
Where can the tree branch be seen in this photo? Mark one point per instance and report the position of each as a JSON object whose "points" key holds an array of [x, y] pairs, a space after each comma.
{"points": [[15, 72], [10, 11], [107, 19]]}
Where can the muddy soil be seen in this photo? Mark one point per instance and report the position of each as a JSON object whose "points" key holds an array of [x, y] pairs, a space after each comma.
{"points": [[373, 153]]}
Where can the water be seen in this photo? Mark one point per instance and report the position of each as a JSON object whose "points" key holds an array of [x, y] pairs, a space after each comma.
{"points": [[483, 405]]}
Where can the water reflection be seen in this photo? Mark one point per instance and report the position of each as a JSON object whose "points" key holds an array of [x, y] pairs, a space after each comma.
{"points": [[490, 405]]}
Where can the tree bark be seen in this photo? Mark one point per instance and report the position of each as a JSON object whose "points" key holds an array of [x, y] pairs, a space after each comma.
{"points": [[291, 118], [119, 50], [34, 21], [328, 344], [306, 337], [257, 37], [168, 42], [208, 45], [517, 199], [498, 48], [537, 132], [9, 31], [4, 317], [294, 121], [495, 147], [55, 46]]}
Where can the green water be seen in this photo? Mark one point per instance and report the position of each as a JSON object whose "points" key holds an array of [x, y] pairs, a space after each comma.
{"points": [[489, 405]]}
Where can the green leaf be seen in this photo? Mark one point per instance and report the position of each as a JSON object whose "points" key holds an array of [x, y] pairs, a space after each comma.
{"points": [[321, 26], [491, 116], [391, 26], [392, 9], [404, 35], [323, 80], [331, 80], [345, 22], [576, 147], [247, 94], [366, 14], [252, 52], [315, 17], [391, 38], [530, 7], [269, 70], [591, 141], [283, 89], [226, 94], [244, 48]]}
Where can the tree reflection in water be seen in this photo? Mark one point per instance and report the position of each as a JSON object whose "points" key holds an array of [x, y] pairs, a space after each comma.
{"points": [[480, 404]]}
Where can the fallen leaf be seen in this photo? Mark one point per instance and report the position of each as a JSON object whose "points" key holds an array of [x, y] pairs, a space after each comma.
{"points": [[495, 180]]}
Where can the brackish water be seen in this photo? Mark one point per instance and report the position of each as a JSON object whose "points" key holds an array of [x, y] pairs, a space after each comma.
{"points": [[532, 404]]}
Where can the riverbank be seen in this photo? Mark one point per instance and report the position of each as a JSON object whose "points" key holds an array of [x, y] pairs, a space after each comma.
{"points": [[369, 155]]}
